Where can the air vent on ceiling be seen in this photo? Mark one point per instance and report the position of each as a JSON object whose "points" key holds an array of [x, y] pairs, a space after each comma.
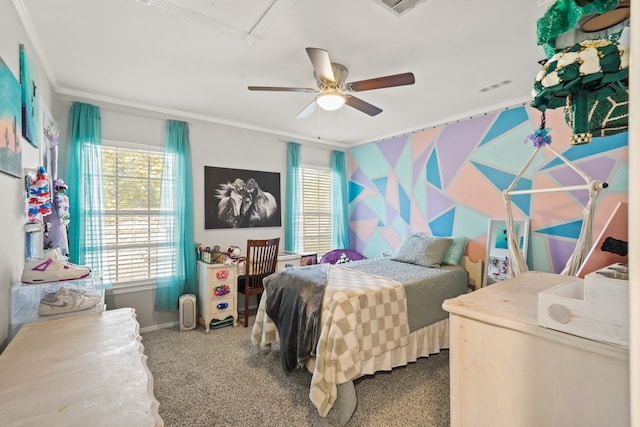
{"points": [[496, 85], [399, 7]]}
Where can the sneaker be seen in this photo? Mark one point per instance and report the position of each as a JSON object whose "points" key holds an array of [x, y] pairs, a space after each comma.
{"points": [[53, 268], [66, 300]]}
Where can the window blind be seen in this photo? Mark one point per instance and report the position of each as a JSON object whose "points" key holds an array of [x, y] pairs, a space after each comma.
{"points": [[134, 240], [316, 210]]}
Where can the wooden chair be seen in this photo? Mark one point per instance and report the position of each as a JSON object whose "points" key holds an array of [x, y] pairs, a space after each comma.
{"points": [[261, 260]]}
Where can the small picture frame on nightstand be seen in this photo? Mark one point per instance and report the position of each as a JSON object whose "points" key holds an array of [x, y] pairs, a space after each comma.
{"points": [[497, 262]]}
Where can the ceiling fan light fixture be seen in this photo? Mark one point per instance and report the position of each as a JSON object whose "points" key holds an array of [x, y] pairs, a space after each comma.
{"points": [[330, 101]]}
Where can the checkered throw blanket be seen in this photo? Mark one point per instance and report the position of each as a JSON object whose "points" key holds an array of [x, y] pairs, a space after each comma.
{"points": [[362, 316]]}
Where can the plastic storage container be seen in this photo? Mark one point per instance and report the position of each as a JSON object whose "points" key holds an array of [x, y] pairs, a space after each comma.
{"points": [[25, 300], [596, 307]]}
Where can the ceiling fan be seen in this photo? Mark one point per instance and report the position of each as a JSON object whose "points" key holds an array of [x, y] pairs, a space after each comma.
{"points": [[333, 91]]}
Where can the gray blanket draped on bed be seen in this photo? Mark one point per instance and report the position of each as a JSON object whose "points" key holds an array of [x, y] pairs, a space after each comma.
{"points": [[294, 302]]}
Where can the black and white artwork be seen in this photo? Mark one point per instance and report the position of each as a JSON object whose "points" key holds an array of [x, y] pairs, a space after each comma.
{"points": [[238, 198]]}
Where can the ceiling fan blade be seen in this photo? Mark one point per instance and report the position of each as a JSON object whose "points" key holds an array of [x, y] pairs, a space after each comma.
{"points": [[382, 82], [321, 63], [282, 89], [308, 110], [361, 105]]}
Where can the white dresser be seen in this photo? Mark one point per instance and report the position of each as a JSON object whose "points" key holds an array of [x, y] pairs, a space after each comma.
{"points": [[217, 286], [288, 260], [292, 259], [85, 370], [506, 370]]}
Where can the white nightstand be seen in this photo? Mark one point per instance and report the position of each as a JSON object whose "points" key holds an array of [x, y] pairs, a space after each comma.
{"points": [[217, 285]]}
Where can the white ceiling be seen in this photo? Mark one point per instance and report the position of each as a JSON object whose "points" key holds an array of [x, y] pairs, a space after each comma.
{"points": [[195, 58]]}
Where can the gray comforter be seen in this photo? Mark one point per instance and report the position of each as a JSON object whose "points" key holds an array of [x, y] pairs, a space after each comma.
{"points": [[425, 288], [294, 300]]}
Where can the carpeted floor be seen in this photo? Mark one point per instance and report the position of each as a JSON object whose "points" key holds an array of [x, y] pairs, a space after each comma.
{"points": [[220, 379]]}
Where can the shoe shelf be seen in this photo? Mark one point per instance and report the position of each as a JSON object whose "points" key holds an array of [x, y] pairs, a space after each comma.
{"points": [[26, 300]]}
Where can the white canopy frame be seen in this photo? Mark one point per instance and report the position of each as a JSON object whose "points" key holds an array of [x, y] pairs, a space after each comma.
{"points": [[583, 245]]}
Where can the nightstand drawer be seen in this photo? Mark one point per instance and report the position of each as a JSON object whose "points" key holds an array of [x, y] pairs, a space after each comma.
{"points": [[221, 274], [222, 305], [221, 289]]}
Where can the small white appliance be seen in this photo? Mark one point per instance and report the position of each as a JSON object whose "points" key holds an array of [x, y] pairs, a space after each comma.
{"points": [[187, 312]]}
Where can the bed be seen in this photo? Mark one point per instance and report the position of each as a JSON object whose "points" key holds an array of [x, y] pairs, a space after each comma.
{"points": [[375, 314]]}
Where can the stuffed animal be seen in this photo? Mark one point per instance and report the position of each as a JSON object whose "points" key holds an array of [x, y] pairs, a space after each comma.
{"points": [[234, 251]]}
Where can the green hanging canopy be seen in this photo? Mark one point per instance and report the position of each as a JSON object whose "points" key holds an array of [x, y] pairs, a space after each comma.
{"points": [[606, 117], [567, 22], [584, 74]]}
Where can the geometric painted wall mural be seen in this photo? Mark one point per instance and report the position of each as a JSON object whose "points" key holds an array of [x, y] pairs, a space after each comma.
{"points": [[448, 180]]}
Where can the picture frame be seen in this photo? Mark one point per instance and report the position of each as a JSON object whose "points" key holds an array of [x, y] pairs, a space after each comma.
{"points": [[497, 261], [239, 198], [30, 95], [10, 123], [48, 146]]}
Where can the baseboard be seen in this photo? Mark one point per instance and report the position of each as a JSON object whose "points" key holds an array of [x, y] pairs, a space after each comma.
{"points": [[159, 326]]}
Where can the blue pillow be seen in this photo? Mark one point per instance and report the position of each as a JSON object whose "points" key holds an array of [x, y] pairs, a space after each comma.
{"points": [[455, 251]]}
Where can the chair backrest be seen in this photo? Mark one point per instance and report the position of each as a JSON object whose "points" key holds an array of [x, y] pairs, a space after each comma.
{"points": [[261, 261]]}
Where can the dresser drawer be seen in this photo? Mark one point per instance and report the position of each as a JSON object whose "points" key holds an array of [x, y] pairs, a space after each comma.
{"points": [[221, 274], [221, 289], [220, 306]]}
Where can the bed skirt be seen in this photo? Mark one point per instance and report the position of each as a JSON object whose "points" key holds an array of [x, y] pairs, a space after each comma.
{"points": [[422, 343]]}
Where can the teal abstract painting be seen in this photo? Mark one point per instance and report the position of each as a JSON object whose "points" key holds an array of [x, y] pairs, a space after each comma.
{"points": [[10, 122], [29, 100]]}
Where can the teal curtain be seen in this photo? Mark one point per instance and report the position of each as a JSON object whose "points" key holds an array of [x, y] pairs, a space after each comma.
{"points": [[339, 203], [293, 199], [176, 207], [85, 192]]}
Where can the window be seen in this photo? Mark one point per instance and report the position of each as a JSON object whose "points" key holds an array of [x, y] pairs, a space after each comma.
{"points": [[316, 210], [132, 181]]}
